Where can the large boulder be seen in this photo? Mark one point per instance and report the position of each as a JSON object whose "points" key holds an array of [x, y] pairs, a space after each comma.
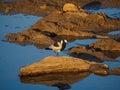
{"points": [[57, 64], [69, 7]]}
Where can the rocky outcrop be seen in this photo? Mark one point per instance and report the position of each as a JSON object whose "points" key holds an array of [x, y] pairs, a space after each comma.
{"points": [[76, 23], [115, 71], [44, 7], [101, 50], [55, 79], [116, 37], [69, 7], [53, 64], [67, 24], [106, 44], [108, 47], [30, 37]]}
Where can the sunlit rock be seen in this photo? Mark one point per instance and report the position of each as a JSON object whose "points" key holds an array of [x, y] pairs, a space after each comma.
{"points": [[43, 6], [99, 69], [30, 37], [106, 44], [69, 7], [57, 64]]}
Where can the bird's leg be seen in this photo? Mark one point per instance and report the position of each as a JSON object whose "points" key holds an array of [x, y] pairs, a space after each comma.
{"points": [[57, 53]]}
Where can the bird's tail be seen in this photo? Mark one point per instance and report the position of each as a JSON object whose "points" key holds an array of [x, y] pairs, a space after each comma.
{"points": [[48, 48]]}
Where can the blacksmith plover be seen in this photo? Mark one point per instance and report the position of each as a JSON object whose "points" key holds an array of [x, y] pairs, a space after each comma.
{"points": [[58, 47]]}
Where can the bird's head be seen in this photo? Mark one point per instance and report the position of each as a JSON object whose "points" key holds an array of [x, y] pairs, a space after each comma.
{"points": [[65, 41]]}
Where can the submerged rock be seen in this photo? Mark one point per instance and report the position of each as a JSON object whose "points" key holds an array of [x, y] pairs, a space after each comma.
{"points": [[54, 64]]}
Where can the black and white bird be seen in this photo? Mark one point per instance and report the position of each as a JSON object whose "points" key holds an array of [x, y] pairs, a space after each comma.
{"points": [[58, 46]]}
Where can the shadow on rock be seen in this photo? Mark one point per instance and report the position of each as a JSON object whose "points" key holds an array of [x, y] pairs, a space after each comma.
{"points": [[116, 37], [95, 5], [61, 80]]}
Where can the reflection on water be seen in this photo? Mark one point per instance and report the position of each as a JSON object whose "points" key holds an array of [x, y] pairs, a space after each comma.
{"points": [[13, 57], [111, 12], [15, 23], [114, 32], [61, 80]]}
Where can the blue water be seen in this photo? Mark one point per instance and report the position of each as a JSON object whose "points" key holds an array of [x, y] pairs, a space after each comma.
{"points": [[114, 32], [111, 12], [13, 57]]}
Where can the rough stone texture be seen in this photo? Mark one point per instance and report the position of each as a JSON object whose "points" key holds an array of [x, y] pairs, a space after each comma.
{"points": [[46, 6], [69, 7], [30, 37], [76, 24], [58, 24], [54, 64], [99, 51], [106, 44]]}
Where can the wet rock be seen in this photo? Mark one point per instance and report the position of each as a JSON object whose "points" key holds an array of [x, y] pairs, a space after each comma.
{"points": [[53, 64]]}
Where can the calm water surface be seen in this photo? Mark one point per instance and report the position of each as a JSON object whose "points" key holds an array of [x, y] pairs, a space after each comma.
{"points": [[13, 57]]}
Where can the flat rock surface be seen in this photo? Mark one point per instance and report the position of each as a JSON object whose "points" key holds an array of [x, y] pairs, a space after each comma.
{"points": [[57, 64]]}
